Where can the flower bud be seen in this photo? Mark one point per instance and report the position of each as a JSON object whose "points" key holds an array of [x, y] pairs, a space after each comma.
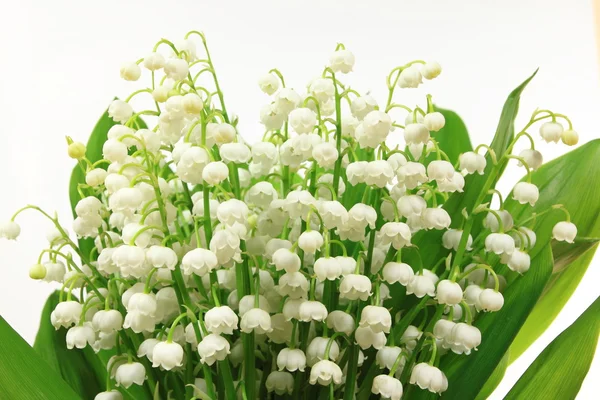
{"points": [[448, 292], [76, 150], [130, 71], [37, 272], [569, 137], [434, 121], [154, 61], [431, 70], [490, 300], [564, 231]]}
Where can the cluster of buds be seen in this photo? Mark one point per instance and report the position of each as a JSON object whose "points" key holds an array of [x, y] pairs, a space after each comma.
{"points": [[270, 267]]}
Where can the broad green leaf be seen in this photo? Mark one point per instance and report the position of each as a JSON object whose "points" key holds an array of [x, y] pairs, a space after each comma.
{"points": [[565, 180], [430, 242], [556, 294], [467, 375], [72, 365], [495, 379], [24, 374], [453, 138], [558, 372]]}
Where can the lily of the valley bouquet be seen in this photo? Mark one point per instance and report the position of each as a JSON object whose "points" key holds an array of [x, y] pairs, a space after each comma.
{"points": [[359, 250]]}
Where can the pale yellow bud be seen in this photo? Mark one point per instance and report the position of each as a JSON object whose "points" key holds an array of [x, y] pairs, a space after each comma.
{"points": [[76, 150], [37, 271], [570, 137]]}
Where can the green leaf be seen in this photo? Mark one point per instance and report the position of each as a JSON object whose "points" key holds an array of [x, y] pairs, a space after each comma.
{"points": [[24, 374], [556, 294], [430, 242], [565, 180], [72, 365], [453, 138], [495, 379], [467, 375], [557, 373]]}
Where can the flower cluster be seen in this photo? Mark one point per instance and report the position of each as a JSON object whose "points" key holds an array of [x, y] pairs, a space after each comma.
{"points": [[274, 266]]}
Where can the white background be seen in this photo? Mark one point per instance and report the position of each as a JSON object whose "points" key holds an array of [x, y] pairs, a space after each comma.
{"points": [[60, 68]]}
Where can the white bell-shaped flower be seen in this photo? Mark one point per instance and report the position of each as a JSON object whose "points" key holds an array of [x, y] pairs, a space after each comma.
{"points": [[416, 133], [471, 295], [533, 158], [268, 83], [451, 239], [325, 372], [225, 244], [395, 233], [327, 268], [280, 382], [434, 121], [9, 230], [128, 374], [366, 338], [463, 338], [490, 300], [386, 357], [294, 285], [448, 292], [341, 321], [421, 285], [551, 131], [429, 377], [436, 218], [564, 231], [237, 153], [162, 257], [387, 387], [333, 213], [256, 320], [362, 105], [341, 60], [167, 355], [302, 120], [221, 319], [199, 261], [120, 111], [107, 321], [500, 243], [214, 173], [325, 154], [525, 192], [213, 348], [66, 313], [286, 100], [354, 287], [80, 336], [410, 77], [377, 318], [411, 175], [519, 261], [378, 173], [491, 221], [310, 241], [471, 162], [109, 395], [312, 311], [291, 360], [316, 350], [147, 347], [176, 68], [397, 272]]}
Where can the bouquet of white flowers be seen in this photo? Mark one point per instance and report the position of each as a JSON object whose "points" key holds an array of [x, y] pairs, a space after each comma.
{"points": [[354, 252]]}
